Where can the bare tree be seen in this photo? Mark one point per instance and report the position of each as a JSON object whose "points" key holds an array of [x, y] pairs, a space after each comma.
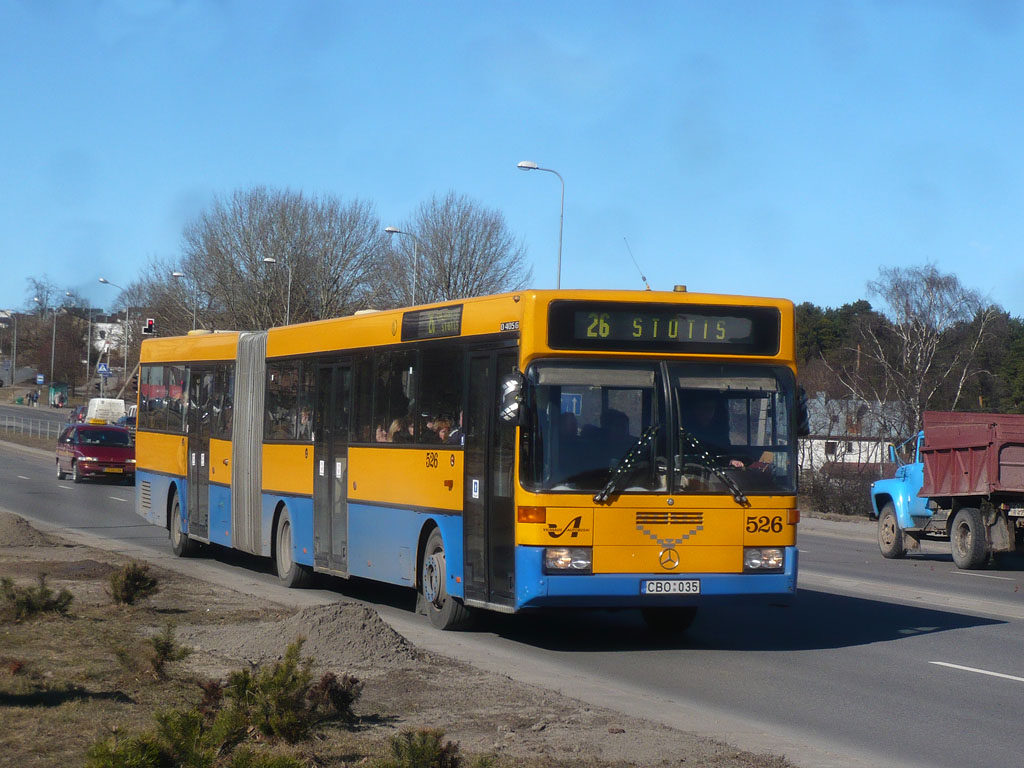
{"points": [[457, 249], [260, 256], [921, 351]]}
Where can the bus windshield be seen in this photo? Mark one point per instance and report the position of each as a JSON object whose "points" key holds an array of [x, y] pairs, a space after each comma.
{"points": [[715, 428]]}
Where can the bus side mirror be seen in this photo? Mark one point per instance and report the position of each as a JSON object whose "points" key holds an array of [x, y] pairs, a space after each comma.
{"points": [[511, 397], [803, 416]]}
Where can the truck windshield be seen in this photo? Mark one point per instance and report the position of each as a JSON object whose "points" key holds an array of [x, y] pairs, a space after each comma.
{"points": [[712, 428]]}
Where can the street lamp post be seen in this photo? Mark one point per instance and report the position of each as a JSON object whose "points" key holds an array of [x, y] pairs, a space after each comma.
{"points": [[415, 255], [195, 298], [288, 296], [53, 338], [127, 309], [88, 343], [529, 165]]}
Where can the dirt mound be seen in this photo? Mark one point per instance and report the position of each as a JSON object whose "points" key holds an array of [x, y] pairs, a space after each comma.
{"points": [[16, 532], [340, 636]]}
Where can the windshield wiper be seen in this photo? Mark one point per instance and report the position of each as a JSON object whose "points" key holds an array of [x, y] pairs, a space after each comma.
{"points": [[707, 461], [626, 464]]}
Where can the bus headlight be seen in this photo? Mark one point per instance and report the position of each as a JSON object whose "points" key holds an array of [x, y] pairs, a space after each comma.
{"points": [[763, 559], [568, 560]]}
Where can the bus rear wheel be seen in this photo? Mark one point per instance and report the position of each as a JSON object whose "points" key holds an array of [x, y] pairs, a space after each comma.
{"points": [[443, 610], [669, 621], [290, 573], [181, 544]]}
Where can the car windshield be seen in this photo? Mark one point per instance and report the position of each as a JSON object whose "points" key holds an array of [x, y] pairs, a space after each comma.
{"points": [[104, 437], [725, 429]]}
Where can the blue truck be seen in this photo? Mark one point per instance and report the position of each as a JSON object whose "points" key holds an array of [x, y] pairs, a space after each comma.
{"points": [[965, 485]]}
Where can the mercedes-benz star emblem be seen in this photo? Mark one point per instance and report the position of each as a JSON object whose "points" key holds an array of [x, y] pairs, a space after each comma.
{"points": [[669, 559]]}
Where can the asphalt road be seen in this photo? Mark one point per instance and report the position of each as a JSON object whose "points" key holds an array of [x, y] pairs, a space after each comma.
{"points": [[899, 663]]}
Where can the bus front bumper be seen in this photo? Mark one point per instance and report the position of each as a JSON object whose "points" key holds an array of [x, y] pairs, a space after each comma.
{"points": [[624, 590]]}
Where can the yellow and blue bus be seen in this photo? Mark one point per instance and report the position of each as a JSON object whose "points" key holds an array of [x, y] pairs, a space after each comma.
{"points": [[539, 449]]}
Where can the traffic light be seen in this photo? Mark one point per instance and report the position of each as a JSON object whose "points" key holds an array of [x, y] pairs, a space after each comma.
{"points": [[150, 326]]}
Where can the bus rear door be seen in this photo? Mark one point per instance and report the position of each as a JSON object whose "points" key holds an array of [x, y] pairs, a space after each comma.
{"points": [[330, 468]]}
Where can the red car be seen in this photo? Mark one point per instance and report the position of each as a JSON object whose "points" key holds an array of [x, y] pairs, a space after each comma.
{"points": [[96, 450]]}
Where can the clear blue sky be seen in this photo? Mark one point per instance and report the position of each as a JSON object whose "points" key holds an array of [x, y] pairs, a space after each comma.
{"points": [[775, 148]]}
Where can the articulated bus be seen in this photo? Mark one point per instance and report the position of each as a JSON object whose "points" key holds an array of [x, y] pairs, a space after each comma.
{"points": [[539, 449]]}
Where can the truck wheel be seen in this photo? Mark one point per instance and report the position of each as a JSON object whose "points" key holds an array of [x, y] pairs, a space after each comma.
{"points": [[443, 610], [967, 539], [890, 535]]}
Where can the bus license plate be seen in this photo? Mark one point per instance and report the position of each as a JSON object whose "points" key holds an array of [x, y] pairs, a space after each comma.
{"points": [[113, 469], [670, 587]]}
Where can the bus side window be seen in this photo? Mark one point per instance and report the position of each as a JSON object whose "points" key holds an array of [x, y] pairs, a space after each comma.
{"points": [[394, 399], [282, 393], [362, 380], [440, 393]]}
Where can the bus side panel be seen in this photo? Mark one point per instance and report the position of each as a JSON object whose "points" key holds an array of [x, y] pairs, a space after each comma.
{"points": [[300, 509], [384, 541], [288, 469], [151, 494], [534, 589], [220, 514], [428, 476]]}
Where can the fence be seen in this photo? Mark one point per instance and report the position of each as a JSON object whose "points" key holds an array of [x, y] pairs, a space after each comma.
{"points": [[41, 428]]}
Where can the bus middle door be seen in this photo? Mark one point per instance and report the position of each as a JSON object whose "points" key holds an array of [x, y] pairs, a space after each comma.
{"points": [[330, 468], [200, 385]]}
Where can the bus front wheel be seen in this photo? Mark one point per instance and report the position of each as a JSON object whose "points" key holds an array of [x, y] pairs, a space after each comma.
{"points": [[444, 611], [290, 573]]}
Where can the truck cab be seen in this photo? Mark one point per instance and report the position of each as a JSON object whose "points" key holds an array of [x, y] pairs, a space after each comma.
{"points": [[901, 513]]}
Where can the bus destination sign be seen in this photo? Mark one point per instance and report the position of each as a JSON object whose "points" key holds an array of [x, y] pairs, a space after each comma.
{"points": [[695, 329], [432, 323]]}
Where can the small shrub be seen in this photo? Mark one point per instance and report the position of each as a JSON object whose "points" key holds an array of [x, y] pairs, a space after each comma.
{"points": [[273, 700], [130, 752], [22, 603], [132, 582], [333, 698], [422, 749], [165, 651]]}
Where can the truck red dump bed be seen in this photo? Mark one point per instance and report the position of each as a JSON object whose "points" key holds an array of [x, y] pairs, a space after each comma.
{"points": [[972, 454]]}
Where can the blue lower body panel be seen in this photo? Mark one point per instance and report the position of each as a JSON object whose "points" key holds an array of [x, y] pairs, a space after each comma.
{"points": [[534, 589], [383, 544]]}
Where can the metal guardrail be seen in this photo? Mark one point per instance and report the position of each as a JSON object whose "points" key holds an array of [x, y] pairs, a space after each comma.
{"points": [[41, 428]]}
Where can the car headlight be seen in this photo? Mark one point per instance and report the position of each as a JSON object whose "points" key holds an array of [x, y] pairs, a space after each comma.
{"points": [[129, 461], [763, 559], [568, 560]]}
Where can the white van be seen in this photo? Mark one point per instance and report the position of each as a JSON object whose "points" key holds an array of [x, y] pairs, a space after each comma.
{"points": [[104, 410]]}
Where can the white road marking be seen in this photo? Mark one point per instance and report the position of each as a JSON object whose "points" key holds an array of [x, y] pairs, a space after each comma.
{"points": [[979, 671], [22, 477], [117, 498], [982, 575]]}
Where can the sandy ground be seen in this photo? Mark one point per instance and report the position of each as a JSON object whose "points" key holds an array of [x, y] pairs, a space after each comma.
{"points": [[405, 687]]}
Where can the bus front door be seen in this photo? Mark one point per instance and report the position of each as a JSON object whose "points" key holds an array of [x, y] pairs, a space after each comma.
{"points": [[330, 468], [488, 510], [200, 385]]}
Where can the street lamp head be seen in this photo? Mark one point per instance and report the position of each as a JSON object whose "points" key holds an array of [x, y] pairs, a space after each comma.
{"points": [[269, 260], [527, 165], [393, 230], [36, 300], [104, 281], [177, 274]]}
